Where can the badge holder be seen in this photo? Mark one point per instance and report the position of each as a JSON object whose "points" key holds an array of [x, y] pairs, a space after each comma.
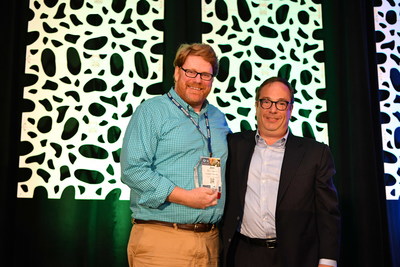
{"points": [[210, 173]]}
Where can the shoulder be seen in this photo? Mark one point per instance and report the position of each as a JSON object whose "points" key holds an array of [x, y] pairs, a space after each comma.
{"points": [[154, 103], [217, 118], [152, 111], [305, 141], [211, 109], [247, 136]]}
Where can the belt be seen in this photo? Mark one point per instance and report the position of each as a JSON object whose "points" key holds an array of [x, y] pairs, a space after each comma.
{"points": [[268, 242], [196, 227]]}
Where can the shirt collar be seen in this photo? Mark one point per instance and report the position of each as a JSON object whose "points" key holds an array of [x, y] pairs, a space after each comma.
{"points": [[279, 143], [182, 102]]}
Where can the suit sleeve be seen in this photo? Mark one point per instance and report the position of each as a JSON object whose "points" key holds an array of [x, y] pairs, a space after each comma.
{"points": [[328, 215]]}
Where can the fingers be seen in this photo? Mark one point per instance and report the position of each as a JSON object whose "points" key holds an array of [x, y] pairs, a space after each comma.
{"points": [[213, 192], [204, 197], [214, 198], [198, 198]]}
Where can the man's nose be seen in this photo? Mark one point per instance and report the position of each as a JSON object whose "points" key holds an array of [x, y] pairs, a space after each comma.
{"points": [[198, 78]]}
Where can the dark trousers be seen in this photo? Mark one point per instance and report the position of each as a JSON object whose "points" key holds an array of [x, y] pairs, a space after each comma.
{"points": [[244, 254]]}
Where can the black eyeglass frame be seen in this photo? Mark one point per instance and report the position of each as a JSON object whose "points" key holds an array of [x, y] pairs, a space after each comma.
{"points": [[262, 102], [197, 73]]}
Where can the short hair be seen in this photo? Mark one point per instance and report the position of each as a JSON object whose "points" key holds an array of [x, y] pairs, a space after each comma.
{"points": [[272, 80], [197, 49]]}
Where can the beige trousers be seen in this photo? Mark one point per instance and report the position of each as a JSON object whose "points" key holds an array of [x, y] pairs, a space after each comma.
{"points": [[155, 245]]}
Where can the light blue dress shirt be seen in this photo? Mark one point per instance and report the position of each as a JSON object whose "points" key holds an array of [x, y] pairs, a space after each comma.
{"points": [[161, 147], [262, 189]]}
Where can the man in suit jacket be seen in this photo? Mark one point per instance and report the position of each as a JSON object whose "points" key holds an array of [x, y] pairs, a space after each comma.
{"points": [[282, 206]]}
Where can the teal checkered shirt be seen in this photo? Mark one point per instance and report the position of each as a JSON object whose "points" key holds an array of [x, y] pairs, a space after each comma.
{"points": [[161, 147]]}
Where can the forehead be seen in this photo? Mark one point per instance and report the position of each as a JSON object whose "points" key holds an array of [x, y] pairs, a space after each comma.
{"points": [[198, 64], [275, 90]]}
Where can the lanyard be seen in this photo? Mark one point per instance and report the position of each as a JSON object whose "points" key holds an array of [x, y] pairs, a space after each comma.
{"points": [[208, 137]]}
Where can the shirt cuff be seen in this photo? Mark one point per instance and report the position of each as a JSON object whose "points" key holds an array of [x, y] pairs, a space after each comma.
{"points": [[329, 262]]}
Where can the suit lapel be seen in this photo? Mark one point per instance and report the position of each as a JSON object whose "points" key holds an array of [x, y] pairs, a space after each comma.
{"points": [[246, 153], [291, 162]]}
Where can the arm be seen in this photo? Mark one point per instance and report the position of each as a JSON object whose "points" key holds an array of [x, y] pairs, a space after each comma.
{"points": [[137, 156], [141, 175], [327, 210], [198, 198]]}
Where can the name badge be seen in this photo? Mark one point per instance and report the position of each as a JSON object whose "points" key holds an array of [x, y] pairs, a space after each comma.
{"points": [[211, 173]]}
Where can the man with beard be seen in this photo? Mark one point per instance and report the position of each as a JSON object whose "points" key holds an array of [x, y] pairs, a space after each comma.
{"points": [[173, 159]]}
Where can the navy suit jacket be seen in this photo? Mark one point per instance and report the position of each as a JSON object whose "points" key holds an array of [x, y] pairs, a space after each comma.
{"points": [[307, 214]]}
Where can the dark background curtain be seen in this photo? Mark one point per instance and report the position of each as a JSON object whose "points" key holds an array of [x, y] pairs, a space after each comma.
{"points": [[14, 18], [355, 132], [31, 228]]}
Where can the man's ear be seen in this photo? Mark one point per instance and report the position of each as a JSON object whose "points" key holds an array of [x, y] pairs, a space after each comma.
{"points": [[176, 73]]}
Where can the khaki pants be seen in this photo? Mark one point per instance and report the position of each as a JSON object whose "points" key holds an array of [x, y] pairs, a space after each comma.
{"points": [[155, 245]]}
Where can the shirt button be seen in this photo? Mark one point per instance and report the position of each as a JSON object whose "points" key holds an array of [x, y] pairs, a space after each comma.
{"points": [[238, 218]]}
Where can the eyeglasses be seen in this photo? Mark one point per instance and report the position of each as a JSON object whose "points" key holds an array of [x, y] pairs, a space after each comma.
{"points": [[193, 74], [280, 104]]}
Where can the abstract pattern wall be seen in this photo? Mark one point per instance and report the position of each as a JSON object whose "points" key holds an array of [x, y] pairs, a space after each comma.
{"points": [[259, 39], [90, 63], [387, 26]]}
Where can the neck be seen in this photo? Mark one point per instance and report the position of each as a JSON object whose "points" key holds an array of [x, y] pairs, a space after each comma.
{"points": [[197, 107], [270, 139]]}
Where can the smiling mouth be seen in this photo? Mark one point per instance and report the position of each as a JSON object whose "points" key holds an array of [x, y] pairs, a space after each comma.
{"points": [[195, 88], [272, 119]]}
